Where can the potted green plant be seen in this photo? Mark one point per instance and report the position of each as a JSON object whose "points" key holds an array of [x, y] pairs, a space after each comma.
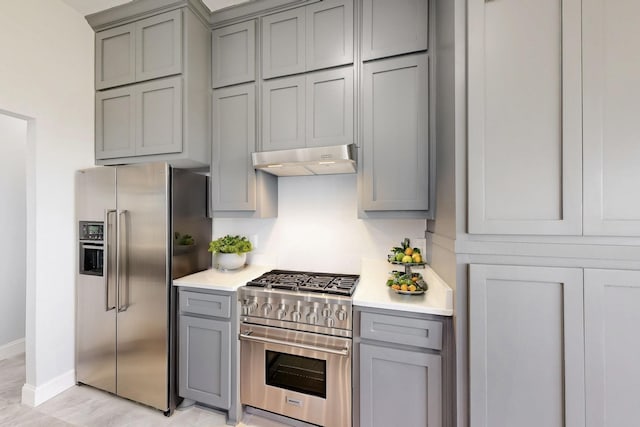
{"points": [[230, 251]]}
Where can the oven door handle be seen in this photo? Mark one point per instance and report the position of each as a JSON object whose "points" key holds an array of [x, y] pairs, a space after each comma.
{"points": [[247, 336]]}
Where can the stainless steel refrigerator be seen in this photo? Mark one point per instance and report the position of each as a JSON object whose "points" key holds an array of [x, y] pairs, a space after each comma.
{"points": [[139, 227]]}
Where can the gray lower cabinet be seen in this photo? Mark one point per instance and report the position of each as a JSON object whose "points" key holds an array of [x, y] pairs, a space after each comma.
{"points": [[207, 362], [612, 349], [403, 365], [139, 51], [395, 139], [526, 346], [236, 188], [393, 27]]}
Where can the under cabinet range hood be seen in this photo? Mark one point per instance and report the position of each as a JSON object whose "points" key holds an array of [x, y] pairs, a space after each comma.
{"points": [[337, 159]]}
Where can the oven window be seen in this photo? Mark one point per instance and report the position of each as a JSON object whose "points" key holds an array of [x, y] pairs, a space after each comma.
{"points": [[296, 373]]}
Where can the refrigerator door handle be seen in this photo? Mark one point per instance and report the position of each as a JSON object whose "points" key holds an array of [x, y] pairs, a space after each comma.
{"points": [[121, 265], [105, 259]]}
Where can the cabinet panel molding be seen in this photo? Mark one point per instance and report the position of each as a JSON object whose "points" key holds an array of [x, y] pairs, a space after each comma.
{"points": [[525, 117], [329, 34], [115, 57], [159, 46], [159, 117], [526, 346], [396, 134], [611, 125], [283, 47], [611, 300], [233, 59], [115, 123], [283, 113]]}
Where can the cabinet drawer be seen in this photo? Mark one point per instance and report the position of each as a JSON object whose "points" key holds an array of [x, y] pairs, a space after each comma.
{"points": [[205, 304], [401, 330]]}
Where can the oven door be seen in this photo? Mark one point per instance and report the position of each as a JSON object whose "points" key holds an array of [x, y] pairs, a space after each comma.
{"points": [[297, 374]]}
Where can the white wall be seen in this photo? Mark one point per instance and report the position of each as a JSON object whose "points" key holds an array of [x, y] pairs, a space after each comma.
{"points": [[13, 223], [46, 74], [318, 229]]}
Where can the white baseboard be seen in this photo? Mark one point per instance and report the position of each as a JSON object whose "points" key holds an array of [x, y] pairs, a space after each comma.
{"points": [[35, 395], [12, 348]]}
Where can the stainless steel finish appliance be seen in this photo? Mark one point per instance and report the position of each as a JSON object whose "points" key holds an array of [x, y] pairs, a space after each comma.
{"points": [[296, 342], [336, 159], [125, 326]]}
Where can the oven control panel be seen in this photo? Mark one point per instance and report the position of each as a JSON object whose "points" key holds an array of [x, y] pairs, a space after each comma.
{"points": [[295, 307]]}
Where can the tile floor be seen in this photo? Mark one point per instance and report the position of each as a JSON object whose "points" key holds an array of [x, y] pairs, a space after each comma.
{"points": [[86, 406]]}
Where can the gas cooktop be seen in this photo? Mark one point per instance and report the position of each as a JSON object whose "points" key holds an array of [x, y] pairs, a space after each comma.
{"points": [[328, 283]]}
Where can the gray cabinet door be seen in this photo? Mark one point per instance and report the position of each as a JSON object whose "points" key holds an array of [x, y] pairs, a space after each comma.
{"points": [[159, 46], [204, 372], [115, 57], [115, 123], [234, 139], [159, 117], [396, 134], [526, 346], [283, 47], [329, 34], [611, 125], [283, 113], [612, 349], [233, 54], [525, 117], [393, 27], [399, 387], [329, 109]]}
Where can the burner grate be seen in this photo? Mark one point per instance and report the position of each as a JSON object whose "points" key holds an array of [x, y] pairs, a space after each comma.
{"points": [[340, 284]]}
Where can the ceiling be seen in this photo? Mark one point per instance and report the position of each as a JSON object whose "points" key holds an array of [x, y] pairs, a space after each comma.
{"points": [[86, 7]]}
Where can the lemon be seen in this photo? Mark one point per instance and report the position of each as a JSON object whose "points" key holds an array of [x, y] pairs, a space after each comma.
{"points": [[408, 251], [412, 288], [416, 257], [407, 259], [404, 287]]}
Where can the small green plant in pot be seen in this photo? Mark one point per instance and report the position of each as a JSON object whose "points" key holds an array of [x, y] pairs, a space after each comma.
{"points": [[230, 251]]}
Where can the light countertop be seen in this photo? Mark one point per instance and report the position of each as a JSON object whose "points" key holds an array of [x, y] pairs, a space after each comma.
{"points": [[222, 280], [372, 291]]}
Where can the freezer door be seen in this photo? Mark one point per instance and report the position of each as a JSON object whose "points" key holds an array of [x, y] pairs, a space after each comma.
{"points": [[95, 305], [143, 285]]}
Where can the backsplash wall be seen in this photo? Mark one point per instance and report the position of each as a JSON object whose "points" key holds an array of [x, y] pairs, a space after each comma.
{"points": [[318, 229]]}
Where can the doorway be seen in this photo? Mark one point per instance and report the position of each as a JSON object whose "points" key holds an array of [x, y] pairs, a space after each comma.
{"points": [[13, 240]]}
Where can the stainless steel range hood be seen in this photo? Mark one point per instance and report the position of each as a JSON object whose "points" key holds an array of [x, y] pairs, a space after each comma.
{"points": [[307, 161]]}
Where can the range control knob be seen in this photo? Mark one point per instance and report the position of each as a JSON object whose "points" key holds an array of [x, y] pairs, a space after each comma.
{"points": [[312, 317], [253, 306], [245, 309], [341, 314], [281, 313], [330, 322], [295, 316], [266, 308], [326, 311]]}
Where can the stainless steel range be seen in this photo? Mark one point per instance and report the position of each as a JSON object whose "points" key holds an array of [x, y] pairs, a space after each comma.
{"points": [[295, 332]]}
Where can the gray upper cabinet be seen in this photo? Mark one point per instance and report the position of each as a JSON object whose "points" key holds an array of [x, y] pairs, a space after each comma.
{"points": [[307, 38], [161, 110], [525, 117], [311, 110], [233, 54], [612, 349], [115, 123], [143, 50], [395, 164], [237, 190], [329, 107], [394, 27], [526, 347], [283, 51], [283, 113], [142, 119], [329, 34], [611, 125], [159, 46], [115, 57]]}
